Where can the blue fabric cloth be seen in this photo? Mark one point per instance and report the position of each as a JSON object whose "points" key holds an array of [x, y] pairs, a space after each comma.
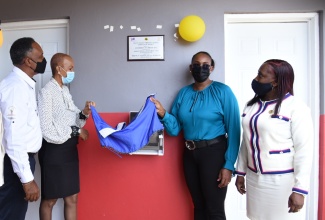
{"points": [[133, 136]]}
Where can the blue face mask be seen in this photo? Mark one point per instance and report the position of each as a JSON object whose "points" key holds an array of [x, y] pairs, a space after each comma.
{"points": [[69, 78]]}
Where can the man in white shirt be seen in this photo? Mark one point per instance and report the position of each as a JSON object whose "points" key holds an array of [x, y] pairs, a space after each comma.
{"points": [[22, 133]]}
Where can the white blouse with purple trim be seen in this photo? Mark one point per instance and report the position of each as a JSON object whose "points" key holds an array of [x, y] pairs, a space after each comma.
{"points": [[278, 144]]}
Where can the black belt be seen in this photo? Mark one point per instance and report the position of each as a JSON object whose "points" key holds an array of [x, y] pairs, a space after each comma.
{"points": [[191, 145], [31, 154]]}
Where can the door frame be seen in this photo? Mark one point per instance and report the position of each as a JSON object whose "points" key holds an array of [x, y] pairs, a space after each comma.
{"points": [[313, 68], [38, 24]]}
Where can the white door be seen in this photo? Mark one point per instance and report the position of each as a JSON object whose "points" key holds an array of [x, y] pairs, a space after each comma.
{"points": [[247, 46], [52, 35]]}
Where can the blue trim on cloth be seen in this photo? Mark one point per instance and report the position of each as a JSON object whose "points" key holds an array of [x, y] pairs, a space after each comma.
{"points": [[280, 117], [279, 151], [133, 136], [301, 191]]}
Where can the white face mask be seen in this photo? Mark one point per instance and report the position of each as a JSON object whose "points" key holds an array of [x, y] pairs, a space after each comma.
{"points": [[69, 78]]}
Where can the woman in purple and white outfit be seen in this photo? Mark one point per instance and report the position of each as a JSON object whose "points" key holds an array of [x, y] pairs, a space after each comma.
{"points": [[277, 146]]}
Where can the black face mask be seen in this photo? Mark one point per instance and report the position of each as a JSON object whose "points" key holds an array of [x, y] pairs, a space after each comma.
{"points": [[200, 73], [40, 66], [261, 89]]}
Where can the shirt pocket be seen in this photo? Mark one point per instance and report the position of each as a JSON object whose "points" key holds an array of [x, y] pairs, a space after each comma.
{"points": [[283, 151], [281, 130], [281, 117]]}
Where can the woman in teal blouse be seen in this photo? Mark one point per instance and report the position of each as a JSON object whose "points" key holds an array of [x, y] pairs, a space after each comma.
{"points": [[207, 112]]}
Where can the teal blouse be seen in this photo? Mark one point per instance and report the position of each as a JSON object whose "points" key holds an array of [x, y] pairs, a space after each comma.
{"points": [[206, 114]]}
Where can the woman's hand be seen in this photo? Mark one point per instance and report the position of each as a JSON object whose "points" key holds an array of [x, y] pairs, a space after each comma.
{"points": [[83, 134], [159, 108], [240, 184], [295, 202], [224, 177], [86, 111]]}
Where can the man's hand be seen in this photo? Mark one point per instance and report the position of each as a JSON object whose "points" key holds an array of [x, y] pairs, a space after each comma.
{"points": [[240, 184], [224, 177], [295, 202], [32, 191]]}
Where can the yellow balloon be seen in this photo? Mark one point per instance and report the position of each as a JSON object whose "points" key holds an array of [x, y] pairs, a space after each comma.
{"points": [[191, 28], [1, 38]]}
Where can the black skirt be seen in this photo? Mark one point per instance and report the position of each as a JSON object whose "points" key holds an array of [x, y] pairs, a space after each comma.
{"points": [[59, 169]]}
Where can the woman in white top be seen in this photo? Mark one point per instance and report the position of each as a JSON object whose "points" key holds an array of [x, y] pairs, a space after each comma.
{"points": [[61, 124], [277, 146]]}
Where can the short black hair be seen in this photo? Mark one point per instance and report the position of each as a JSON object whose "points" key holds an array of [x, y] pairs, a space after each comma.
{"points": [[206, 53], [20, 48]]}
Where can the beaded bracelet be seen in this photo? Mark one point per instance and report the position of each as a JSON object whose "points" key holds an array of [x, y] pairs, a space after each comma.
{"points": [[74, 132]]}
